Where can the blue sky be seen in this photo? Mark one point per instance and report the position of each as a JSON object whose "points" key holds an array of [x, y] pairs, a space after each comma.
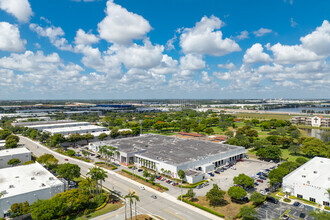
{"points": [[71, 49]]}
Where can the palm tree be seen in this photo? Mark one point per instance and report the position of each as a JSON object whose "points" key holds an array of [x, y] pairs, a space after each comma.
{"points": [[93, 176], [101, 177], [181, 175], [2, 194], [130, 196]]}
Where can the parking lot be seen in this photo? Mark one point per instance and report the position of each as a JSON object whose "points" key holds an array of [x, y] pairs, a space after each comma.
{"points": [[249, 167], [275, 211]]}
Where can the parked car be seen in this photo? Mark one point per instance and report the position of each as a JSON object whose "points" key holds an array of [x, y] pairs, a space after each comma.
{"points": [[141, 187], [285, 217], [66, 159], [98, 156], [267, 189], [263, 178], [255, 183], [233, 168], [260, 181], [259, 174], [211, 174], [271, 199], [140, 170], [199, 187], [265, 175], [296, 203], [217, 172], [154, 196], [302, 215]]}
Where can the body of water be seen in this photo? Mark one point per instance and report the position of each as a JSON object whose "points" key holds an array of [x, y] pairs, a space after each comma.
{"points": [[313, 132], [299, 109]]}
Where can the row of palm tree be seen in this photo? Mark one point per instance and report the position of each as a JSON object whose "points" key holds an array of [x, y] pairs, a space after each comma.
{"points": [[97, 176], [108, 152], [147, 164]]}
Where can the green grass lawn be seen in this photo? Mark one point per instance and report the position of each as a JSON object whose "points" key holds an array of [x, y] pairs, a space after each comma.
{"points": [[286, 155], [263, 116], [108, 208]]}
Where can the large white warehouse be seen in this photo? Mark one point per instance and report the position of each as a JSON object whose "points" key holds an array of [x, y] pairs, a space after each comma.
{"points": [[76, 130], [172, 154], [57, 125], [6, 155], [26, 183], [310, 181]]}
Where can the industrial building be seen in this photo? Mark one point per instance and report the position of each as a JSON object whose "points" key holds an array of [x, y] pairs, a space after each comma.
{"points": [[41, 127], [316, 121], [30, 123], [26, 183], [310, 181], [171, 154], [6, 155], [76, 130]]}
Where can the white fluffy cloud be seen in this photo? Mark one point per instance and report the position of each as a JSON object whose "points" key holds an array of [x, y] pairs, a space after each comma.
{"points": [[319, 40], [121, 26], [204, 39], [255, 54], [192, 62], [10, 39], [54, 34], [243, 35], [85, 38], [21, 9], [292, 54], [262, 31]]}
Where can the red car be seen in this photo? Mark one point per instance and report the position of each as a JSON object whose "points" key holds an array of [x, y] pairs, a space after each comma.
{"points": [[261, 181], [66, 159]]}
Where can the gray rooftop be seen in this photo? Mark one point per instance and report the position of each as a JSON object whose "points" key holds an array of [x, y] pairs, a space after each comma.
{"points": [[171, 150]]}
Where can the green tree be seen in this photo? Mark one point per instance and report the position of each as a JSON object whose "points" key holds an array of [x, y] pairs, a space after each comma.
{"points": [[301, 160], [181, 175], [251, 133], [190, 194], [320, 215], [248, 213], [276, 175], [74, 138], [243, 180], [209, 131], [57, 139], [70, 152], [15, 137], [68, 171], [48, 160], [236, 192], [215, 195], [114, 133], [265, 125], [152, 178], [11, 143], [102, 136], [4, 134], [314, 147], [131, 198], [14, 162], [270, 152], [146, 174], [28, 162], [87, 137], [294, 149], [295, 133], [257, 198]]}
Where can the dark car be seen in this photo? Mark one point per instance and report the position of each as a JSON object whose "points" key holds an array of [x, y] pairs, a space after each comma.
{"points": [[259, 174], [302, 215], [285, 217], [271, 199], [260, 181], [265, 175], [263, 178], [296, 203], [139, 170], [255, 183], [217, 172]]}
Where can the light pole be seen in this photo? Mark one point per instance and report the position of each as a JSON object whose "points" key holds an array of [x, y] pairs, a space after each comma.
{"points": [[141, 127]]}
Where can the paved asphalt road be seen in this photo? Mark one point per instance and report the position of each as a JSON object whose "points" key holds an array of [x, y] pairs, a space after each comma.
{"points": [[165, 206]]}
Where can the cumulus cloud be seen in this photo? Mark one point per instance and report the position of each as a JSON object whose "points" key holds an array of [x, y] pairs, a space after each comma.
{"points": [[85, 38], [192, 62], [10, 39], [262, 31], [21, 9], [243, 35], [227, 66], [121, 26], [54, 34], [255, 54], [319, 40], [205, 38]]}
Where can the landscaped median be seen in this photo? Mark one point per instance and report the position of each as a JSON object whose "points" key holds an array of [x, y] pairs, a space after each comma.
{"points": [[105, 165], [202, 207], [193, 185], [144, 181]]}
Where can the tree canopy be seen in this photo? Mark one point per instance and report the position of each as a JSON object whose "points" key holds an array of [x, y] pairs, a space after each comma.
{"points": [[215, 195], [236, 192], [243, 180], [68, 171]]}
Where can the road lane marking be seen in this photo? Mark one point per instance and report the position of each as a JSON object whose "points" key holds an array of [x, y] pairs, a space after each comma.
{"points": [[174, 214]]}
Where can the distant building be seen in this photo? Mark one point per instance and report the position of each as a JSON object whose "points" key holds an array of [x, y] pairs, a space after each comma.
{"points": [[76, 130], [6, 155], [310, 181], [316, 121], [171, 154], [26, 183]]}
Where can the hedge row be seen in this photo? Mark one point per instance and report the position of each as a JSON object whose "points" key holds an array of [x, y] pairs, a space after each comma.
{"points": [[108, 164], [194, 185], [305, 200], [202, 207], [142, 178]]}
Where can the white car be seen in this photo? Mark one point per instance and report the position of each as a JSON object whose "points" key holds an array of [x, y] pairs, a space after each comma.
{"points": [[233, 168], [142, 188]]}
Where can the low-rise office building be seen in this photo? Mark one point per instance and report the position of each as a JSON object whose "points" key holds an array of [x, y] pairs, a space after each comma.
{"points": [[316, 121], [26, 183], [6, 155], [41, 127], [170, 154], [310, 181]]}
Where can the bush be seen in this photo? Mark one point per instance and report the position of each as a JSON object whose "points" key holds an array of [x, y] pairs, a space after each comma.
{"points": [[307, 201], [327, 208], [142, 178], [287, 200], [203, 208], [280, 194], [193, 185], [292, 197]]}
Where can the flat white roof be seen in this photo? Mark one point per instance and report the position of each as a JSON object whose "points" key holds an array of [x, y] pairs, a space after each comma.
{"points": [[13, 151], [24, 179], [2, 141], [71, 124], [75, 129], [316, 171]]}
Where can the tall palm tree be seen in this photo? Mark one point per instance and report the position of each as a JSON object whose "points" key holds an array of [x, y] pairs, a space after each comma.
{"points": [[131, 196], [93, 176], [101, 174]]}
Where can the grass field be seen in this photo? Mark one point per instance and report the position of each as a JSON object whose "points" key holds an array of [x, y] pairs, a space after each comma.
{"points": [[108, 208], [263, 116], [229, 210]]}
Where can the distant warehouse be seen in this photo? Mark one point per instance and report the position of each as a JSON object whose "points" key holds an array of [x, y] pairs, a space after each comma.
{"points": [[76, 130], [171, 154], [56, 125], [310, 181]]}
